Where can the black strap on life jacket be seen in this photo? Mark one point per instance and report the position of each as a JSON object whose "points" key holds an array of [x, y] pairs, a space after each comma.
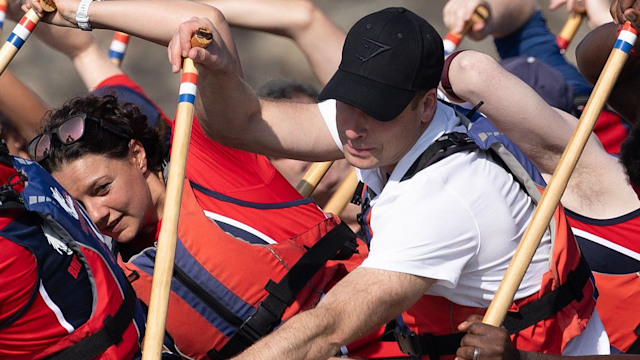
{"points": [[110, 334], [337, 244], [550, 303], [436, 345], [446, 145]]}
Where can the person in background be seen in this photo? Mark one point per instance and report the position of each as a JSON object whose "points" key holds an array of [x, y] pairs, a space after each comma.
{"points": [[520, 29]]}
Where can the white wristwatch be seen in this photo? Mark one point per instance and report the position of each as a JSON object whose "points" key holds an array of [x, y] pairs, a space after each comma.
{"points": [[82, 15]]}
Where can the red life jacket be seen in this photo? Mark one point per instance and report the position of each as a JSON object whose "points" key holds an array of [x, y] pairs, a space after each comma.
{"points": [[227, 292], [428, 328], [82, 305]]}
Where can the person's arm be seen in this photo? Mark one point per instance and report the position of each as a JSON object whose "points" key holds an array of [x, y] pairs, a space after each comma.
{"points": [[88, 57], [362, 301], [505, 16], [22, 107], [592, 54], [542, 133], [90, 60], [319, 39], [230, 112], [155, 21]]}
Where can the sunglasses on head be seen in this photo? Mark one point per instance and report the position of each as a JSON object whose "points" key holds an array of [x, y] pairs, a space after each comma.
{"points": [[68, 132]]}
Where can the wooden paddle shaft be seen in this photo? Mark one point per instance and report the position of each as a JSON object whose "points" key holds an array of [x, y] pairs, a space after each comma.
{"points": [[18, 36], [312, 178], [343, 194], [569, 30], [165, 254], [551, 197]]}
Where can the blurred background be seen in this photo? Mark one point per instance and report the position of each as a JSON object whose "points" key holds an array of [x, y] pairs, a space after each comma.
{"points": [[264, 57]]}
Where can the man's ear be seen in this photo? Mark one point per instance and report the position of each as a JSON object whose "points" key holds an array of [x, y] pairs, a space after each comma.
{"points": [[430, 103]]}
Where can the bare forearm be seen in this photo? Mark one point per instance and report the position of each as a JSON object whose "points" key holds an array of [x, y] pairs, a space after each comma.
{"points": [[306, 337], [323, 56], [159, 21], [23, 108], [300, 21]]}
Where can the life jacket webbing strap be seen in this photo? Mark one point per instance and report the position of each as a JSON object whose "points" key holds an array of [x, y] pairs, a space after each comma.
{"points": [[337, 244], [528, 315], [635, 347], [550, 303], [110, 334], [427, 344], [446, 145]]}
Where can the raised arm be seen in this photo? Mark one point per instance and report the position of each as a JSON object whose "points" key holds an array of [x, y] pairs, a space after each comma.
{"points": [[230, 112], [542, 132], [299, 20], [154, 21], [22, 107], [90, 60]]}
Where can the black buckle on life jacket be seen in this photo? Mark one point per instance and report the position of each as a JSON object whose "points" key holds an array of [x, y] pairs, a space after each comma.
{"points": [[427, 344]]}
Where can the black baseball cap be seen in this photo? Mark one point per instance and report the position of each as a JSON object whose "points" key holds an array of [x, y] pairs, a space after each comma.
{"points": [[387, 57]]}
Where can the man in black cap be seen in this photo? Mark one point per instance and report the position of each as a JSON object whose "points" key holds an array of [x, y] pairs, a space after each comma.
{"points": [[440, 237]]}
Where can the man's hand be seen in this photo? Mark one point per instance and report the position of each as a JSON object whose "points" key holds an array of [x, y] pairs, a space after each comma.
{"points": [[216, 56], [623, 10], [492, 343]]}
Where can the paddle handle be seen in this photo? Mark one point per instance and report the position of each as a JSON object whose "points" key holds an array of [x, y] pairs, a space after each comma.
{"points": [[18, 37], [551, 197], [453, 39], [569, 30], [167, 239], [312, 177], [118, 47]]}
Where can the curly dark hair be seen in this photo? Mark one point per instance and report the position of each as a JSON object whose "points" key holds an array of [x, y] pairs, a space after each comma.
{"points": [[97, 140], [630, 154]]}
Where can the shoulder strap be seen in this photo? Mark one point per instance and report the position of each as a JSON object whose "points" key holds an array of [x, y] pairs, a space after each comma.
{"points": [[446, 145], [110, 334], [338, 244]]}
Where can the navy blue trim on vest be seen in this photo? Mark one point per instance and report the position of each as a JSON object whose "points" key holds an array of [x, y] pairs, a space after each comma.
{"points": [[240, 233], [603, 222], [229, 199], [605, 260]]}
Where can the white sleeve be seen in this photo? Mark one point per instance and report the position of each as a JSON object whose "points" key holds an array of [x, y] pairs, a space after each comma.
{"points": [[328, 111]]}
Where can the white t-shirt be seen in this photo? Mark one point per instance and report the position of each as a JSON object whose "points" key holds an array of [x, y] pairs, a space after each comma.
{"points": [[458, 221]]}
